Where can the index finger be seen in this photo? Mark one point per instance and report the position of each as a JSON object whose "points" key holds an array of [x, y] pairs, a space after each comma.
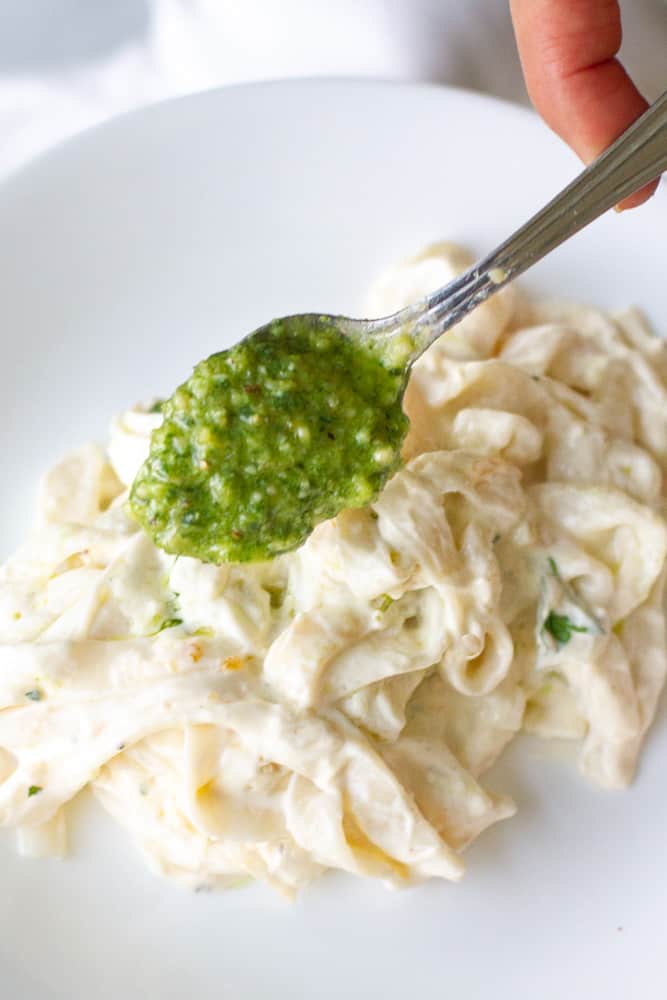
{"points": [[568, 50]]}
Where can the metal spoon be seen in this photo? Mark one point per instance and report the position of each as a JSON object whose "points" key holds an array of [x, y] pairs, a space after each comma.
{"points": [[252, 452], [637, 157]]}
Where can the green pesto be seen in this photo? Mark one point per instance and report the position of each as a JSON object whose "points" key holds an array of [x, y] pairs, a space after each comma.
{"points": [[269, 438]]}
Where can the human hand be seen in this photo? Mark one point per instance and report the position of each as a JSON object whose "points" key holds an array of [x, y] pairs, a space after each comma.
{"points": [[567, 50]]}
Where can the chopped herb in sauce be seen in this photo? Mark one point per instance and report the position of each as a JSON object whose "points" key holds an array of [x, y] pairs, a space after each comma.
{"points": [[34, 790], [34, 695], [385, 603], [267, 439], [561, 627], [276, 596], [169, 623]]}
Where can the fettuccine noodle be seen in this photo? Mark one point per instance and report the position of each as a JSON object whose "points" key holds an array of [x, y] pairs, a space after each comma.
{"points": [[339, 706]]}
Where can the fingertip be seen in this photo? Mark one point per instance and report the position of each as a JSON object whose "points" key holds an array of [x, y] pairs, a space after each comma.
{"points": [[638, 198]]}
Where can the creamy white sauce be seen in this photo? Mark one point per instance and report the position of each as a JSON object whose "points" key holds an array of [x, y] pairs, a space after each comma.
{"points": [[338, 708]]}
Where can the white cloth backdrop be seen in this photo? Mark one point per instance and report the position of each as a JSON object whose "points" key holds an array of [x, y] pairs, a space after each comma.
{"points": [[191, 45]]}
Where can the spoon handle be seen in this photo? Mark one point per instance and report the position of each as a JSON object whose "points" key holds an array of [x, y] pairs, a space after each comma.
{"points": [[635, 158]]}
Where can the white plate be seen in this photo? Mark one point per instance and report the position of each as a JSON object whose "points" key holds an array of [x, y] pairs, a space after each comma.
{"points": [[125, 256]]}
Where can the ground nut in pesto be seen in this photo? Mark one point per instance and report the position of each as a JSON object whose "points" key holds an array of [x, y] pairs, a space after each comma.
{"points": [[266, 439]]}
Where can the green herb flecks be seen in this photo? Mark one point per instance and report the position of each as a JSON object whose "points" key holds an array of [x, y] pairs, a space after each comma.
{"points": [[34, 790], [34, 695], [276, 596], [561, 627], [168, 623]]}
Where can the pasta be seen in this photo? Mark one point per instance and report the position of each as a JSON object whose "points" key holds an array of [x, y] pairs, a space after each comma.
{"points": [[339, 706]]}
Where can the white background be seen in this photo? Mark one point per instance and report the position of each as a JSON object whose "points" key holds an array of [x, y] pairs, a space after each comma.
{"points": [[66, 64]]}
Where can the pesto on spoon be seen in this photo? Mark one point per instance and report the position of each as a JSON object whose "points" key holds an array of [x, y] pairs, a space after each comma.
{"points": [[304, 418], [266, 439]]}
